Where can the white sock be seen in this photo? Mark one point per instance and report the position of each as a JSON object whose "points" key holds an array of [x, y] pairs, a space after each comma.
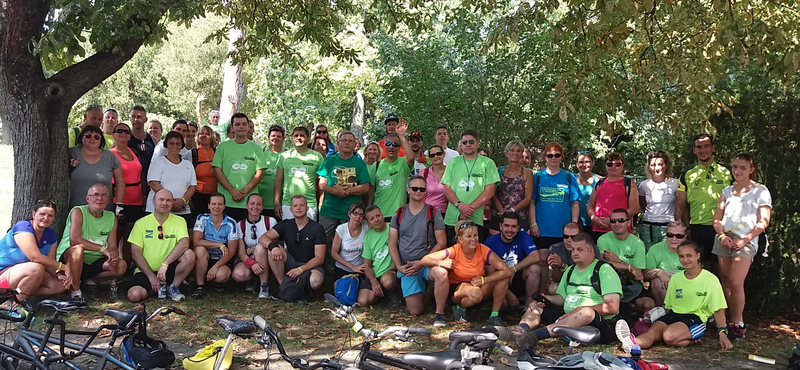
{"points": [[75, 293], [740, 323]]}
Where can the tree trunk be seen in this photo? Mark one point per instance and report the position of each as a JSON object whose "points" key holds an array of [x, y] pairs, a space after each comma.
{"points": [[232, 82], [357, 125]]}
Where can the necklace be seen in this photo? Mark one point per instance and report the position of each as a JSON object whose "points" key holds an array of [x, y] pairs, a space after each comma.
{"points": [[469, 173]]}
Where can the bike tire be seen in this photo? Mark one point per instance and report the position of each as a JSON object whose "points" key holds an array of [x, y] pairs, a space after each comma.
{"points": [[7, 364]]}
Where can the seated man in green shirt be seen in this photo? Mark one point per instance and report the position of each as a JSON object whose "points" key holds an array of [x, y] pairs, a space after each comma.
{"points": [[579, 301], [626, 252], [160, 247], [89, 245], [381, 275]]}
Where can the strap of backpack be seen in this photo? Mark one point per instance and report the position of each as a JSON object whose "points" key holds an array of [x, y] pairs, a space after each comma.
{"points": [[217, 350], [195, 156], [398, 215], [536, 185], [241, 226], [266, 222], [596, 277], [627, 187]]}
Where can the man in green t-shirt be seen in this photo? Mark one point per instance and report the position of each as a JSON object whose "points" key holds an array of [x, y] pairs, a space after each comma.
{"points": [[344, 178], [469, 184], [626, 252], [297, 175], [92, 116], [381, 276], [392, 173], [578, 302], [89, 243], [272, 153], [160, 248], [239, 166]]}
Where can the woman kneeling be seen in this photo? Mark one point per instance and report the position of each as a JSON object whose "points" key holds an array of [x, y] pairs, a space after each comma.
{"points": [[465, 262], [692, 296]]}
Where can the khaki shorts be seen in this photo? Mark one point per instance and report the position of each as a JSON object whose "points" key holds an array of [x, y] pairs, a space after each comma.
{"points": [[748, 251]]}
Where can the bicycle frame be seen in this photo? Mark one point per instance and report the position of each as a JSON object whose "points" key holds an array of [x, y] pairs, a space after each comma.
{"points": [[367, 354]]}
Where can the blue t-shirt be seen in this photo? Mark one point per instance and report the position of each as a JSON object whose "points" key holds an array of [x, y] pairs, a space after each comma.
{"points": [[11, 255], [586, 193], [553, 195], [512, 252], [227, 231]]}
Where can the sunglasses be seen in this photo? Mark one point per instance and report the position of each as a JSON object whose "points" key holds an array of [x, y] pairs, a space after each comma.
{"points": [[160, 232], [321, 132], [614, 164], [434, 155], [297, 237], [617, 220], [417, 189], [392, 144], [121, 131], [92, 136], [143, 147], [554, 155], [567, 236], [585, 152], [465, 142], [466, 225], [253, 230], [679, 236]]}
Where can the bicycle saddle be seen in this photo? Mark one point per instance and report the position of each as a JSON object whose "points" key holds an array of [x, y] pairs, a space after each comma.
{"points": [[584, 335], [64, 306], [480, 338], [123, 317], [236, 326], [447, 359]]}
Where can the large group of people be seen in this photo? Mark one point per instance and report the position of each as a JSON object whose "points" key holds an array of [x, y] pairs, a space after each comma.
{"points": [[207, 204]]}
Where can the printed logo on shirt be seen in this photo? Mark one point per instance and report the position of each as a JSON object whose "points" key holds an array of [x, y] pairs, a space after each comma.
{"points": [[583, 290], [239, 167], [298, 171], [382, 253], [270, 171], [552, 194], [511, 259], [702, 294], [309, 163], [385, 183], [148, 234], [250, 158], [463, 184], [679, 293]]}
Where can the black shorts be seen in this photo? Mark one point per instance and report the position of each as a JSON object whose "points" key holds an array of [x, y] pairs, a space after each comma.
{"points": [[131, 213], [544, 242], [450, 231], [696, 326], [338, 273], [200, 203], [140, 279], [517, 286], [704, 236], [553, 312], [93, 269], [290, 263], [269, 213], [237, 214]]}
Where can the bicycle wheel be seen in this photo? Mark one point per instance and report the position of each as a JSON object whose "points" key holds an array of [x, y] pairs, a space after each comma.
{"points": [[7, 364]]}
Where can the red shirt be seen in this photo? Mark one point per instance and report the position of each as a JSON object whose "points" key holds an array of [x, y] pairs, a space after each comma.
{"points": [[382, 143]]}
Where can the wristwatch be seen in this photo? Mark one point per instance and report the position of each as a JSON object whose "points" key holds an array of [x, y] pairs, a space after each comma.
{"points": [[457, 204], [512, 209]]}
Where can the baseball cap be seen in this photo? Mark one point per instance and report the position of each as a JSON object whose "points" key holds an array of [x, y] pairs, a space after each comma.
{"points": [[391, 117], [414, 134]]}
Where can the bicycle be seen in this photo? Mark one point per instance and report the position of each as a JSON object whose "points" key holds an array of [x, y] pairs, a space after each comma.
{"points": [[42, 356]]}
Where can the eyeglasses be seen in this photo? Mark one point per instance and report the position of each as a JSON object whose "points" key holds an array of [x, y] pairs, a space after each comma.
{"points": [[347, 141], [678, 236], [98, 195], [91, 136], [567, 236], [434, 155], [614, 164], [160, 232], [465, 142], [554, 155], [392, 144], [417, 189], [618, 220], [357, 214], [466, 225], [321, 132], [253, 230], [121, 131]]}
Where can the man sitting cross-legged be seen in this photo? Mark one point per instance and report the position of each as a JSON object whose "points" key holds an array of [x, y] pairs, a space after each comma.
{"points": [[160, 247], [579, 301], [215, 239], [89, 245]]}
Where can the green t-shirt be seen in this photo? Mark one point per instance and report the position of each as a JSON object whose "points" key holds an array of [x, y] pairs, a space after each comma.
{"points": [[267, 185], [371, 169], [390, 185], [93, 229], [350, 172], [703, 186], [630, 250], [221, 129], [701, 296], [376, 248], [239, 163], [578, 292], [660, 257], [468, 179], [300, 175], [145, 234]]}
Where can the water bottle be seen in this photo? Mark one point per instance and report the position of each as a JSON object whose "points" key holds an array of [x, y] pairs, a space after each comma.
{"points": [[636, 352], [112, 294], [162, 290]]}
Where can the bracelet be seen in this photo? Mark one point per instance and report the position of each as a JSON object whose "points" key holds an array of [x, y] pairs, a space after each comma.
{"points": [[514, 268], [720, 236], [300, 268], [184, 200], [164, 264], [103, 249], [659, 272], [59, 267], [272, 246], [534, 224], [223, 246], [483, 282], [629, 268], [250, 262], [722, 330]]}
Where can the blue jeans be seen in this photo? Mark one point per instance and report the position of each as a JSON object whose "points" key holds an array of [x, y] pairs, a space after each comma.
{"points": [[651, 234]]}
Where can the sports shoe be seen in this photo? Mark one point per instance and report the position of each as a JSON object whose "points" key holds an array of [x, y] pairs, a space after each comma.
{"points": [[175, 293], [509, 332], [495, 321], [263, 292], [395, 300], [736, 332], [624, 335], [439, 320], [251, 287], [199, 292], [459, 314], [527, 340]]}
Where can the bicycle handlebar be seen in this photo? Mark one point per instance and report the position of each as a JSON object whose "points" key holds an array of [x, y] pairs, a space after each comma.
{"points": [[260, 322], [334, 300], [344, 311]]}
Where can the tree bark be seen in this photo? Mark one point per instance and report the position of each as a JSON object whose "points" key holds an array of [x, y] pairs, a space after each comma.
{"points": [[232, 82], [357, 124]]}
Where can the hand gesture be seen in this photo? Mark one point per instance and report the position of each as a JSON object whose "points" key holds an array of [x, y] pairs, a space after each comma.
{"points": [[113, 256], [278, 211], [232, 99], [154, 283], [74, 162], [376, 288], [276, 254], [295, 272], [212, 273], [611, 256], [478, 281], [554, 260], [446, 263], [402, 127], [257, 268], [534, 231], [201, 97], [225, 251], [161, 275], [738, 244]]}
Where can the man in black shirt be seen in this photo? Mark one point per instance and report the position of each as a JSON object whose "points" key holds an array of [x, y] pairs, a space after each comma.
{"points": [[141, 142], [305, 245]]}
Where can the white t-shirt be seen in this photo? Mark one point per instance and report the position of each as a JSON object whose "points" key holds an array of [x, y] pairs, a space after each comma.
{"points": [[448, 155], [351, 247], [173, 177], [161, 151], [246, 228], [661, 198], [741, 212]]}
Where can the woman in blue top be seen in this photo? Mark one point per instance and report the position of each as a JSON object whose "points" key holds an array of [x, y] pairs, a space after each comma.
{"points": [[27, 256]]}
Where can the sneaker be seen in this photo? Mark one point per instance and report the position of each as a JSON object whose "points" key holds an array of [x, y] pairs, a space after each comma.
{"points": [[527, 340], [175, 293], [263, 292], [220, 288], [495, 321], [199, 292], [736, 332], [509, 332], [624, 335], [459, 314], [395, 300], [251, 287], [439, 320]]}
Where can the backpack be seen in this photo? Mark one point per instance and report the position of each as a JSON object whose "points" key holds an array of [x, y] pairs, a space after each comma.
{"points": [[627, 185], [144, 352], [295, 289], [430, 213], [196, 156], [595, 276], [537, 179], [346, 288], [794, 361]]}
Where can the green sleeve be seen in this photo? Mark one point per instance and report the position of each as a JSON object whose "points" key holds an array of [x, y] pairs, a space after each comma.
{"points": [[279, 163], [71, 136], [219, 157], [562, 285], [716, 299], [639, 255], [322, 171], [366, 251], [490, 169], [136, 235], [609, 280], [362, 173], [447, 178], [651, 262], [602, 244], [182, 231], [671, 291], [261, 163]]}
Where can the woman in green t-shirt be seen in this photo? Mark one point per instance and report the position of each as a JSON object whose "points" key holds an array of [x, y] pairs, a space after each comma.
{"points": [[663, 261], [692, 296]]}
